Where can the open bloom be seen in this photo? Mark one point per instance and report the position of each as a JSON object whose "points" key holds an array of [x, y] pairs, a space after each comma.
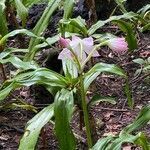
{"points": [[118, 45], [81, 47]]}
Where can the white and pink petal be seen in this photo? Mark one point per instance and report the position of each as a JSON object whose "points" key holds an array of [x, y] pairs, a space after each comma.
{"points": [[65, 54], [118, 45]]}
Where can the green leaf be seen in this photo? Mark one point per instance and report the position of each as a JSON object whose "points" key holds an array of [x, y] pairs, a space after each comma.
{"points": [[103, 37], [115, 143], [102, 143], [3, 22], [129, 94], [97, 99], [68, 7], [19, 31], [75, 25], [63, 109], [48, 42], [142, 119], [22, 11], [146, 27], [18, 63], [70, 69], [120, 3], [125, 138], [139, 61], [101, 23], [91, 75], [143, 10], [41, 26], [40, 76], [143, 142], [6, 90], [130, 33], [51, 40], [33, 128], [29, 3], [2, 4], [11, 50]]}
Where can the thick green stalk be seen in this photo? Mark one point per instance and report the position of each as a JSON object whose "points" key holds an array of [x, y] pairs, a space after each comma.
{"points": [[1, 65], [85, 112], [83, 99]]}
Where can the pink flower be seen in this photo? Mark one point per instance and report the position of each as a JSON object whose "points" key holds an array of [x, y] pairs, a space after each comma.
{"points": [[65, 54], [64, 42], [118, 45], [81, 47]]}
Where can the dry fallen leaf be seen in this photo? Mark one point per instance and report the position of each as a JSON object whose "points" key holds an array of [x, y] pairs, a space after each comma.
{"points": [[109, 134], [108, 115]]}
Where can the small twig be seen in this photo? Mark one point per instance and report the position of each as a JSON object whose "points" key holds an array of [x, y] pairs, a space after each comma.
{"points": [[127, 63], [110, 27], [23, 105], [143, 46], [111, 109], [141, 78], [3, 138], [3, 72], [83, 140], [137, 76], [18, 99], [122, 108], [12, 127]]}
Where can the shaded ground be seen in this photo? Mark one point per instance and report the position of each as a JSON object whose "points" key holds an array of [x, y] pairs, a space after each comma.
{"points": [[110, 119]]}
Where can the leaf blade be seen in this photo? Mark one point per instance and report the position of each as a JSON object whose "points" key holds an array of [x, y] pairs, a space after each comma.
{"points": [[33, 128], [63, 109]]}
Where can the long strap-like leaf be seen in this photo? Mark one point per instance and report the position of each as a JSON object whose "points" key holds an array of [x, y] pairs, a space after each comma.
{"points": [[63, 108], [42, 25], [34, 126]]}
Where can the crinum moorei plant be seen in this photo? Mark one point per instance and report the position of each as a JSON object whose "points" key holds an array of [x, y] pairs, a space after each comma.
{"points": [[80, 52]]}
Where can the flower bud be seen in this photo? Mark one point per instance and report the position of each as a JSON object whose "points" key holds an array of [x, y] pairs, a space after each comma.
{"points": [[118, 45], [64, 42]]}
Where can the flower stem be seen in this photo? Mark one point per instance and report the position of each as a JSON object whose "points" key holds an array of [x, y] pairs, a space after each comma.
{"points": [[91, 53], [76, 58], [85, 112]]}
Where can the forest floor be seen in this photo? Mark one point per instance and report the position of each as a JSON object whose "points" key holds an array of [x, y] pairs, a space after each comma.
{"points": [[110, 119]]}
